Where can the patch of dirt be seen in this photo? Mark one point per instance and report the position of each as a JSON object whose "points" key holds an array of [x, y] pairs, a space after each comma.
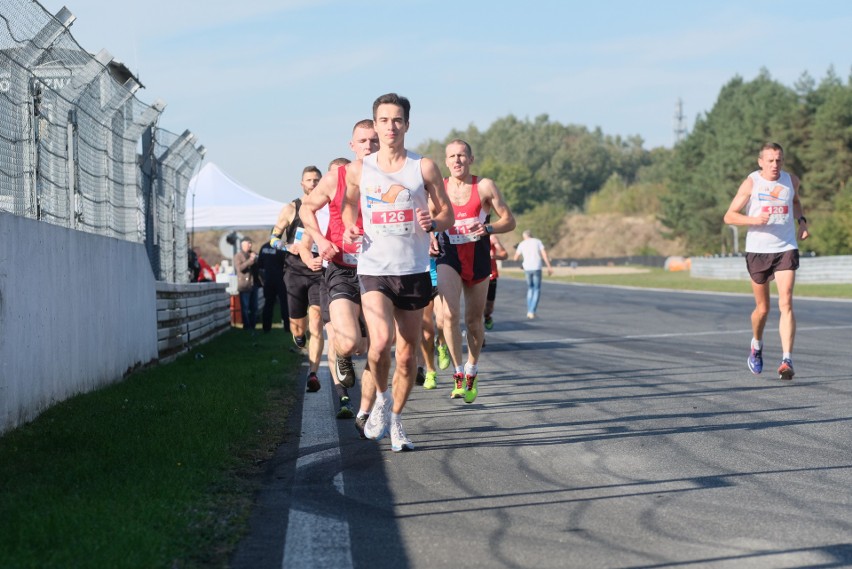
{"points": [[601, 236]]}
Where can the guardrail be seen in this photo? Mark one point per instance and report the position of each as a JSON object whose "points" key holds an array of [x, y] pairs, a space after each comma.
{"points": [[821, 270], [190, 314]]}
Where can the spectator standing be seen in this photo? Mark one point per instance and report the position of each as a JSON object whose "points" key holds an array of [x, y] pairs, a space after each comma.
{"points": [[245, 263], [533, 252], [271, 263]]}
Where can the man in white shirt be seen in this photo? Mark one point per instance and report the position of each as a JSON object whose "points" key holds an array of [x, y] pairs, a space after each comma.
{"points": [[533, 252]]}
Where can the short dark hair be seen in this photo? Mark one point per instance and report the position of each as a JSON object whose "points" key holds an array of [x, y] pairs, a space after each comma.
{"points": [[393, 99], [311, 169], [771, 146]]}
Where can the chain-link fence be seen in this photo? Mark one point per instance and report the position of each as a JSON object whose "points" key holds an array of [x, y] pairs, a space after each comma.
{"points": [[78, 149]]}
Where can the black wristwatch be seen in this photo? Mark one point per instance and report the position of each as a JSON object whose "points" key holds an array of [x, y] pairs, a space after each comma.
{"points": [[802, 219], [489, 229], [432, 227]]}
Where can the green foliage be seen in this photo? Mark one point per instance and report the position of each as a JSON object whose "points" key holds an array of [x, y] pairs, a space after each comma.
{"points": [[540, 161], [831, 232], [546, 221]]}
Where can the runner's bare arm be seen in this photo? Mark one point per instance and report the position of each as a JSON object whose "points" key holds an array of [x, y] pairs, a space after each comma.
{"points": [[734, 215], [351, 202], [313, 202], [285, 218], [441, 212], [798, 213], [492, 200]]}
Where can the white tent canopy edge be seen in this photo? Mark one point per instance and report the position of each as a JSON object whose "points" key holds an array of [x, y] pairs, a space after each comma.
{"points": [[214, 200]]}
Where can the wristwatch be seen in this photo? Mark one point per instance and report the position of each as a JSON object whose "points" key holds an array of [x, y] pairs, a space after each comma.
{"points": [[432, 227], [489, 229], [802, 219]]}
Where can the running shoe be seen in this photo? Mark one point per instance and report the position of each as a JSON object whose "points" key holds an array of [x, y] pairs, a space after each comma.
{"points": [[458, 392], [421, 376], [471, 388], [755, 361], [345, 372], [785, 370], [313, 382], [360, 423], [300, 341], [489, 323], [431, 380], [345, 411], [399, 440], [443, 356], [379, 421], [530, 315]]}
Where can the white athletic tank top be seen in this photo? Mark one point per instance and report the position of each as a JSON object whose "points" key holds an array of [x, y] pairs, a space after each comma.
{"points": [[775, 197], [394, 243]]}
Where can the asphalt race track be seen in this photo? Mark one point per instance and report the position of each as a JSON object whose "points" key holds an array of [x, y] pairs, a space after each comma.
{"points": [[621, 428]]}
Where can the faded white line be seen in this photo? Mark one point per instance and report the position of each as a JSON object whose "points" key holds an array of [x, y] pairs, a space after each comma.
{"points": [[605, 339], [315, 540]]}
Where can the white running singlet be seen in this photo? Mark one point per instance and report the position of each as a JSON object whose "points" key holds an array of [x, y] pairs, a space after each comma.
{"points": [[776, 198], [394, 243]]}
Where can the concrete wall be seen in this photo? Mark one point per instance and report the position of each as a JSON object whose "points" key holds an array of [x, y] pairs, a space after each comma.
{"points": [[818, 270], [77, 311]]}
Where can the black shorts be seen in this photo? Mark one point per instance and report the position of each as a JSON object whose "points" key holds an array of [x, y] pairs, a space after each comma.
{"points": [[343, 283], [302, 291], [492, 290], [762, 266], [472, 261], [406, 292]]}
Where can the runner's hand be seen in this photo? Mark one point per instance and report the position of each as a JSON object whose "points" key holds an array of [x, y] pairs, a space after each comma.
{"points": [[352, 234], [327, 249], [424, 219]]}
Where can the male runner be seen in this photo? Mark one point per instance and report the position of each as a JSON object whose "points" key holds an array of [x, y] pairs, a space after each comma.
{"points": [[464, 266], [402, 199], [770, 197], [303, 283]]}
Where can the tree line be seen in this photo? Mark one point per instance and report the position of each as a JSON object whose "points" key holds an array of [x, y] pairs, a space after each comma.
{"points": [[546, 169]]}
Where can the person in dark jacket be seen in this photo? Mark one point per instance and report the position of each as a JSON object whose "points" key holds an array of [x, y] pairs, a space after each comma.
{"points": [[271, 263]]}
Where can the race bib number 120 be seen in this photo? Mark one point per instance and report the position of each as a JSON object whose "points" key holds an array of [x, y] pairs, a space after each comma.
{"points": [[777, 213]]}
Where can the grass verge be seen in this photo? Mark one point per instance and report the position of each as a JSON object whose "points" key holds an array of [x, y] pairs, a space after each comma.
{"points": [[155, 471], [660, 278]]}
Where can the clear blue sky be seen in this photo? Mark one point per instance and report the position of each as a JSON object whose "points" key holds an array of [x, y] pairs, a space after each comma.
{"points": [[270, 86]]}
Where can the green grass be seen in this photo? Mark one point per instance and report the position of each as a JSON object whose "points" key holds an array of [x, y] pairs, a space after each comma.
{"points": [[660, 278], [155, 471]]}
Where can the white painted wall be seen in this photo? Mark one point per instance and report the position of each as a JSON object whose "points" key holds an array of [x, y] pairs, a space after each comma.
{"points": [[77, 311]]}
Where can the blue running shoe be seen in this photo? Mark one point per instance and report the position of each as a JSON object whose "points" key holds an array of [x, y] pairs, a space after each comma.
{"points": [[755, 361], [785, 370]]}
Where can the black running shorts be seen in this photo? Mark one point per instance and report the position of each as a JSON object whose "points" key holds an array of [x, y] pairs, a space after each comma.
{"points": [[406, 292], [762, 266]]}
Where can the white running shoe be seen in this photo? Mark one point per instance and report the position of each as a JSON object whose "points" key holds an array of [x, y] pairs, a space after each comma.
{"points": [[379, 420], [399, 440]]}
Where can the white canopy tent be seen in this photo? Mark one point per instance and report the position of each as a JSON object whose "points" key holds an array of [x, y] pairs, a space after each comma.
{"points": [[216, 201]]}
